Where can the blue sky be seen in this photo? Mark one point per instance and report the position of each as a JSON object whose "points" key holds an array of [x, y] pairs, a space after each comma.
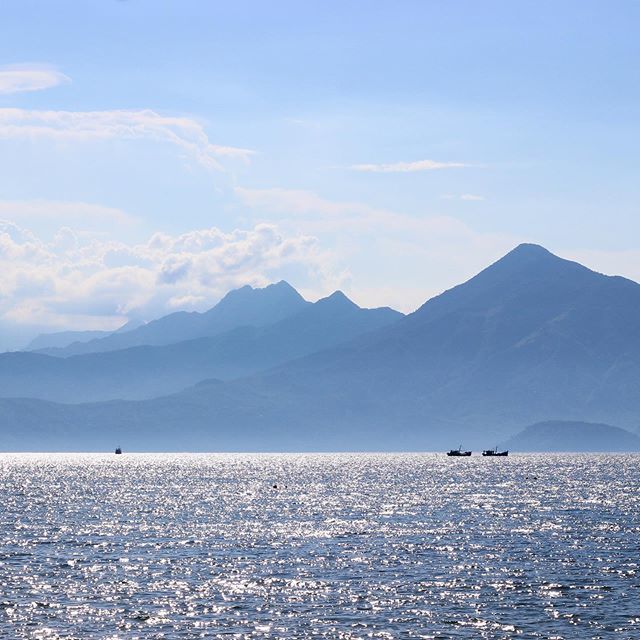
{"points": [[155, 154]]}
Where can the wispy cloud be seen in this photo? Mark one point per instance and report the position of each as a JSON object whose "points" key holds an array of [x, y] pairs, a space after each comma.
{"points": [[297, 202], [22, 78], [408, 167], [468, 197], [315, 213], [185, 133]]}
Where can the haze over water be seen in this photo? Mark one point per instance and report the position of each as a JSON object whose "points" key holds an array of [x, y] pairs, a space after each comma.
{"points": [[346, 546]]}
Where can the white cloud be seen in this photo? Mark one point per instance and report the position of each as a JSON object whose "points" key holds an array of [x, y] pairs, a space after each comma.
{"points": [[82, 126], [408, 167], [78, 282], [22, 78]]}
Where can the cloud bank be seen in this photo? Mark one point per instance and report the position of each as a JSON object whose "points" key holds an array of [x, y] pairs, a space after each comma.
{"points": [[76, 282]]}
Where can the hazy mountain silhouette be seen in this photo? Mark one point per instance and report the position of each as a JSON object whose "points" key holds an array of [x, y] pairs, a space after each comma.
{"points": [[241, 307], [557, 435], [151, 371], [61, 339], [531, 338]]}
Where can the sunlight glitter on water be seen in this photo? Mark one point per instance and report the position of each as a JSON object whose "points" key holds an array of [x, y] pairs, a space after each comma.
{"points": [[343, 546]]}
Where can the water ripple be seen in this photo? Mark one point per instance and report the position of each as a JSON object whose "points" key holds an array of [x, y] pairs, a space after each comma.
{"points": [[319, 546]]}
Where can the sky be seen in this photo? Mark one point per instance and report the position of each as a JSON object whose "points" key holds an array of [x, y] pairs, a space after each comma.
{"points": [[155, 154]]}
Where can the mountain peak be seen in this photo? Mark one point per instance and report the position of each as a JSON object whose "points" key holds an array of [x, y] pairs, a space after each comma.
{"points": [[282, 285], [277, 291], [526, 272], [531, 260], [530, 249], [528, 253], [283, 289], [338, 298]]}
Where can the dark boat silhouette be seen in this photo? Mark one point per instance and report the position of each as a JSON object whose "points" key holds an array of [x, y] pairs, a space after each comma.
{"points": [[458, 452], [494, 452], [118, 450]]}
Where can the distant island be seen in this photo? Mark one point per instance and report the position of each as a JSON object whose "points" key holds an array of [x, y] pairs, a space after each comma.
{"points": [[533, 339]]}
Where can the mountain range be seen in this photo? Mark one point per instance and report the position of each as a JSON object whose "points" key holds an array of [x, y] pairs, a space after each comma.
{"points": [[238, 345], [62, 339], [244, 306], [531, 338]]}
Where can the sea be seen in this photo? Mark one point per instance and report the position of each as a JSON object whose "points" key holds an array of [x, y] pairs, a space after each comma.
{"points": [[319, 546]]}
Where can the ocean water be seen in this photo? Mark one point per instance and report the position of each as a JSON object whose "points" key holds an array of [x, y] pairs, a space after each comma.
{"points": [[319, 546]]}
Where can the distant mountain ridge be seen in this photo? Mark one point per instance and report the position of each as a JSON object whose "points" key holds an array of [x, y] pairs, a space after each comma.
{"points": [[531, 338], [62, 339], [241, 307], [151, 371]]}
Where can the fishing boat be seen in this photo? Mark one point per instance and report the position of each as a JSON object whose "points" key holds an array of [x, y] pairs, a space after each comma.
{"points": [[494, 452], [458, 452], [118, 450]]}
